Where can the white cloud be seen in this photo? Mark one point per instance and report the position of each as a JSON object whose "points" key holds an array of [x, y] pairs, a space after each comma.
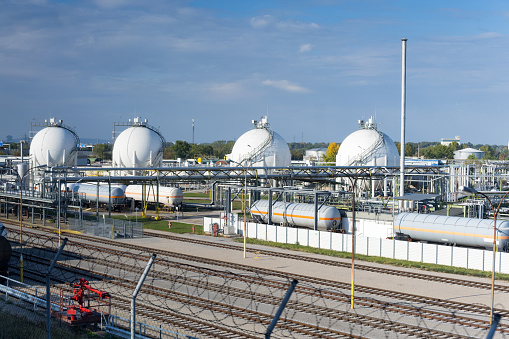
{"points": [[305, 48], [262, 21], [289, 25], [226, 89], [285, 85]]}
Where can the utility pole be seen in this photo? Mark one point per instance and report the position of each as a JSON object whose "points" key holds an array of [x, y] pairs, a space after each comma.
{"points": [[193, 131]]}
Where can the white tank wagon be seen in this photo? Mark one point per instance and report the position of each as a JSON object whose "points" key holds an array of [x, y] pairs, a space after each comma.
{"points": [[296, 214], [168, 196], [452, 230], [88, 194]]}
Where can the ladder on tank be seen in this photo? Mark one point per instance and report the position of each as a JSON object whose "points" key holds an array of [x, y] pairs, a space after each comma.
{"points": [[255, 154], [362, 158]]}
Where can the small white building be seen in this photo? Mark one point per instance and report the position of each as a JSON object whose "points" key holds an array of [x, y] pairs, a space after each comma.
{"points": [[314, 154], [463, 154], [447, 142]]}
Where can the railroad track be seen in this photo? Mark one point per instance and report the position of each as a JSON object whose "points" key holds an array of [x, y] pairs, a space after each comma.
{"points": [[400, 328], [453, 305], [380, 270], [264, 319]]}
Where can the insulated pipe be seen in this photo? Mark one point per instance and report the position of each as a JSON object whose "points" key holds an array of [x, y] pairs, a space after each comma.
{"points": [[403, 118]]}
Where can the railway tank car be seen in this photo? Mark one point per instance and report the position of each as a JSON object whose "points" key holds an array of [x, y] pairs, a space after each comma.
{"points": [[296, 214], [452, 230], [168, 196], [88, 194]]}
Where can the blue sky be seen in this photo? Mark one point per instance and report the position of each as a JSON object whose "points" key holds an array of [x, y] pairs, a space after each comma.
{"points": [[316, 67]]}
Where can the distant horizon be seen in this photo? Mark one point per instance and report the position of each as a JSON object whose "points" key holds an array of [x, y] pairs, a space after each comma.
{"points": [[314, 67], [105, 141]]}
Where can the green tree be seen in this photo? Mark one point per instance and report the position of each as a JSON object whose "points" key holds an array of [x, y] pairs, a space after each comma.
{"points": [[410, 148], [332, 151], [181, 149], [103, 151], [438, 152], [201, 150]]}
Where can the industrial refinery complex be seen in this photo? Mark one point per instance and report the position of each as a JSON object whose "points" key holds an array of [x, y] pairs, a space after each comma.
{"points": [[372, 201], [367, 177]]}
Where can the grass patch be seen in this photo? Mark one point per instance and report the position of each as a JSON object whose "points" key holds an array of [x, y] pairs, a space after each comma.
{"points": [[197, 195], [162, 225], [196, 201], [380, 260]]}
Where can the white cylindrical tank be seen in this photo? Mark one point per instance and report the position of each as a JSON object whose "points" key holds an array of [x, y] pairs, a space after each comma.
{"points": [[168, 196], [54, 145], [296, 214], [261, 147], [452, 230], [138, 146]]}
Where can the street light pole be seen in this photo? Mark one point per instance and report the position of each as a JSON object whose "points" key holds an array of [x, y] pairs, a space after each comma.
{"points": [[245, 193], [495, 213]]}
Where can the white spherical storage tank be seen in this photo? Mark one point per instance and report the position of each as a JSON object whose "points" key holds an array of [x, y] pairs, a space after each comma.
{"points": [[261, 147], [54, 145], [138, 146], [367, 147]]}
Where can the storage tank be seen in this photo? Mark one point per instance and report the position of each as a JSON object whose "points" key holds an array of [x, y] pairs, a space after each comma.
{"points": [[168, 196], [367, 147], [140, 145], [261, 147], [55, 145], [296, 214], [452, 230]]}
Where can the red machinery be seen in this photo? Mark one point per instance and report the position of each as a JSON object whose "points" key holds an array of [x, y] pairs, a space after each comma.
{"points": [[77, 314]]}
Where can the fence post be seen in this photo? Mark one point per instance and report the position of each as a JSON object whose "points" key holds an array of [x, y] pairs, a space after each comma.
{"points": [[48, 292], [135, 294], [281, 308]]}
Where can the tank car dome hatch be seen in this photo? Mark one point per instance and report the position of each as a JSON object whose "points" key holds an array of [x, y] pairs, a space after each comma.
{"points": [[140, 145], [367, 147], [261, 147], [55, 145]]}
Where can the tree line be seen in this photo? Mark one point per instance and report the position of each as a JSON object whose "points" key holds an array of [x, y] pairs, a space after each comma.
{"points": [[219, 149]]}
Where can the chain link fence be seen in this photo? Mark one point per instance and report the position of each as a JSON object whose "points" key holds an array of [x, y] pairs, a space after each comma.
{"points": [[106, 228]]}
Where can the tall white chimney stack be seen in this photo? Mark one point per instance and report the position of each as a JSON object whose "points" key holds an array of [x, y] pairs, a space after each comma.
{"points": [[403, 118]]}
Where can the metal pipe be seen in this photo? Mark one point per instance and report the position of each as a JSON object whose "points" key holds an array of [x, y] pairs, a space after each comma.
{"points": [[281, 308], [135, 294], [48, 293], [403, 118]]}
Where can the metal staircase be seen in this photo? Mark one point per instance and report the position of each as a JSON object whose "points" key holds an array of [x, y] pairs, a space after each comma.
{"points": [[367, 154], [257, 153]]}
